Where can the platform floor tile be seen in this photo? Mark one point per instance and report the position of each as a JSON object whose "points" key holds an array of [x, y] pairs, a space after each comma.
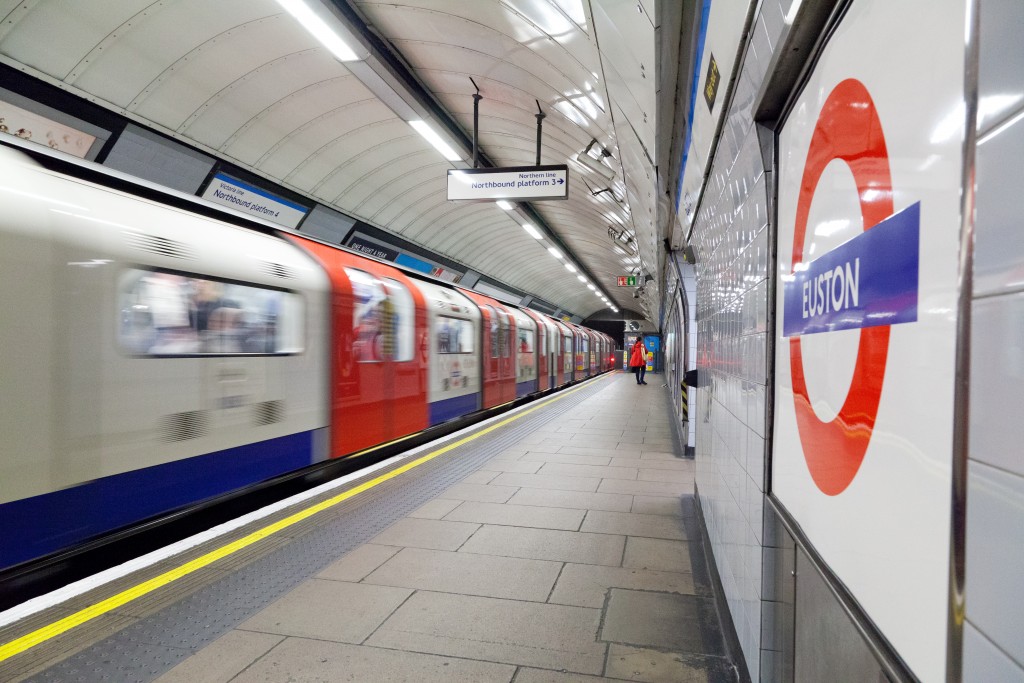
{"points": [[547, 544], [468, 574], [436, 534], [659, 666], [579, 500], [518, 515], [633, 524], [509, 631], [587, 585], [657, 554], [329, 610], [313, 660], [645, 488], [223, 659], [435, 509], [358, 564], [660, 620]]}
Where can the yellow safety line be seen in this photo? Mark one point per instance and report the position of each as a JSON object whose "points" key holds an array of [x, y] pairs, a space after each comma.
{"points": [[45, 633]]}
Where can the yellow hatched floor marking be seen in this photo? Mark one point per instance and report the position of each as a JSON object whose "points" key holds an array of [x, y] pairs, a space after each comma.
{"points": [[55, 629]]}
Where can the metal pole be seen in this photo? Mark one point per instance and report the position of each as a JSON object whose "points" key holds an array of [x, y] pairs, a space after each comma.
{"points": [[476, 122], [540, 127]]}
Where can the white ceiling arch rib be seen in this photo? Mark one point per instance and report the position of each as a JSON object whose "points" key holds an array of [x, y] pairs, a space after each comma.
{"points": [[241, 80]]}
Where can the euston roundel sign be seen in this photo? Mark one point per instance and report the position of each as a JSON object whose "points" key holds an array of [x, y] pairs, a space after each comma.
{"points": [[868, 283]]}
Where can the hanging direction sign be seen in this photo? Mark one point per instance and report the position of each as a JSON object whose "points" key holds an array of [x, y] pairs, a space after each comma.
{"points": [[516, 183], [627, 281]]}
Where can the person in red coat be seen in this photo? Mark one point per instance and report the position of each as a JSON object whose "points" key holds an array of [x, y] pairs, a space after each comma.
{"points": [[638, 360]]}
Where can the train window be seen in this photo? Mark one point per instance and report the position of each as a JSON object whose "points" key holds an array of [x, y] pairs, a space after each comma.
{"points": [[177, 314], [403, 321], [586, 345], [504, 332], [543, 337], [453, 335], [494, 330], [525, 338], [383, 319], [568, 344]]}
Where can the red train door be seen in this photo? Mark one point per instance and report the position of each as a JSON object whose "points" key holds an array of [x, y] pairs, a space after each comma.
{"points": [[506, 354], [489, 356], [499, 368], [563, 366], [542, 354], [378, 379]]}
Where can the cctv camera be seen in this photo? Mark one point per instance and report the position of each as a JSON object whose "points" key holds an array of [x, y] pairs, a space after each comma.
{"points": [[595, 165]]}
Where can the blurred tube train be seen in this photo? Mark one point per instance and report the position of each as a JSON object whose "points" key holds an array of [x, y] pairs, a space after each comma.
{"points": [[154, 358]]}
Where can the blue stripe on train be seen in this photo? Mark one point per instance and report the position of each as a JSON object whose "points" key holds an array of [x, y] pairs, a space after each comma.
{"points": [[46, 523], [527, 387], [442, 411]]}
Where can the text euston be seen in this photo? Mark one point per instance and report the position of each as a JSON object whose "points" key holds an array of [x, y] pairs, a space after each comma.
{"points": [[833, 290], [868, 281]]}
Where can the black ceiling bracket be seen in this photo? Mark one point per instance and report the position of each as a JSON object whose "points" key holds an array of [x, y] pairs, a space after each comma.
{"points": [[540, 128], [476, 123]]}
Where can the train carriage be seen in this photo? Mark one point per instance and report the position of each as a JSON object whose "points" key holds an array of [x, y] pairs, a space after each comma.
{"points": [[454, 351], [146, 371]]}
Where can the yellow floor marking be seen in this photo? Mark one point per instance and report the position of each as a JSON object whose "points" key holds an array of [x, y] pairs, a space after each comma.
{"points": [[45, 633]]}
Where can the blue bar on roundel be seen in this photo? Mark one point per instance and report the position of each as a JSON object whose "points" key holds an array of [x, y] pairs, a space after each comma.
{"points": [[868, 281]]}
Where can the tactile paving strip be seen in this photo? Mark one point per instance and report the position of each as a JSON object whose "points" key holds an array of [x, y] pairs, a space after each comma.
{"points": [[186, 623]]}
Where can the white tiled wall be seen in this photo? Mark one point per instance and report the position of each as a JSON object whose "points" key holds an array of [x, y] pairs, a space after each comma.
{"points": [[993, 645], [731, 239]]}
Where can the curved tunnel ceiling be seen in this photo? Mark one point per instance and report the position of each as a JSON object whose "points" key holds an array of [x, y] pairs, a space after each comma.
{"points": [[241, 80]]}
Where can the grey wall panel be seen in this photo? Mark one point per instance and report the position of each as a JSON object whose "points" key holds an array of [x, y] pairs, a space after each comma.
{"points": [[828, 647], [147, 155], [327, 224]]}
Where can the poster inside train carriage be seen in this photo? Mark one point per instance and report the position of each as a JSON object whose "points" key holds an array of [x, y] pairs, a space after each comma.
{"points": [[868, 241]]}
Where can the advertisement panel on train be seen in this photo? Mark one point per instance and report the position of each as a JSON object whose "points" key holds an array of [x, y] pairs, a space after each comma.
{"points": [[870, 161]]}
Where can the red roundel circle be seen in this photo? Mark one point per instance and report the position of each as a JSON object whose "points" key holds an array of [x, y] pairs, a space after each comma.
{"points": [[848, 129]]}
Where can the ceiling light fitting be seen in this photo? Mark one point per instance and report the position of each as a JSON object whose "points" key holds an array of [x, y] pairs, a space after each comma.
{"points": [[504, 206], [554, 252], [315, 24], [534, 233], [570, 267], [431, 136]]}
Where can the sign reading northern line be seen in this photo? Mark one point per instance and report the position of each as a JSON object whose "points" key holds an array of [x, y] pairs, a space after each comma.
{"points": [[526, 183]]}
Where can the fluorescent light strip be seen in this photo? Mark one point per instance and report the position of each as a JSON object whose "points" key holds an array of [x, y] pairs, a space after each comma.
{"points": [[570, 267], [319, 30], [431, 136], [581, 279], [534, 233], [504, 206], [554, 252]]}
